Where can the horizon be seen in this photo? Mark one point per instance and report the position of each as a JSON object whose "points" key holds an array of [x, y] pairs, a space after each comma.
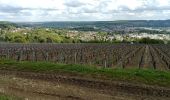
{"points": [[80, 21]]}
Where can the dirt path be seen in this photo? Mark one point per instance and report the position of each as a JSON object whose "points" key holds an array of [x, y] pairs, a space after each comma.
{"points": [[146, 59], [37, 86], [135, 61], [158, 63], [42, 90]]}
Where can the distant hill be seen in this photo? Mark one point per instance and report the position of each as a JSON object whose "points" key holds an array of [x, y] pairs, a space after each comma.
{"points": [[144, 23], [6, 24], [101, 24]]}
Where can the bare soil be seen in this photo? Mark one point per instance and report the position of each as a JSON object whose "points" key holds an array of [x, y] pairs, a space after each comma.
{"points": [[57, 86]]}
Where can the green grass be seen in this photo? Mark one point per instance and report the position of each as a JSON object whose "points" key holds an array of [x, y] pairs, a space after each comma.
{"points": [[151, 77], [5, 97]]}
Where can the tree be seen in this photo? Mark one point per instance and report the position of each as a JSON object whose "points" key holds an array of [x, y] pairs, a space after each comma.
{"points": [[150, 41]]}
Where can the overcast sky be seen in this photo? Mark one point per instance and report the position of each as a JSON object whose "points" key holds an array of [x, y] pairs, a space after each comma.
{"points": [[83, 10]]}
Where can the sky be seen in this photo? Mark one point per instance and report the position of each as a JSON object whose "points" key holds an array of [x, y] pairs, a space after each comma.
{"points": [[83, 10]]}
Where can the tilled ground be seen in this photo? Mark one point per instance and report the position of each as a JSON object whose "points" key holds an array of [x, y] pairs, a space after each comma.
{"points": [[46, 86]]}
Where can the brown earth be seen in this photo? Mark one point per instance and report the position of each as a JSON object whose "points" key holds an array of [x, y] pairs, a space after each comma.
{"points": [[57, 86]]}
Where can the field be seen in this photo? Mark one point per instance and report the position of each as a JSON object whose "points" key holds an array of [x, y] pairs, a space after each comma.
{"points": [[102, 55], [73, 71]]}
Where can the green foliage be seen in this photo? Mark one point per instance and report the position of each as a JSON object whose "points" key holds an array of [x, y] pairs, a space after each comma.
{"points": [[95, 41], [50, 35], [2, 97], [19, 39], [168, 42], [15, 37], [5, 97], [35, 35], [7, 25], [150, 41]]}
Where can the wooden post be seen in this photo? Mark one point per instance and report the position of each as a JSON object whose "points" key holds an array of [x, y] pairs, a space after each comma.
{"points": [[47, 56], [154, 64], [105, 63], [75, 57], [33, 55], [8, 54], [19, 56]]}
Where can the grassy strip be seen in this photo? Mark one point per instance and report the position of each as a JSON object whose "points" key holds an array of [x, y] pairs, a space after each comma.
{"points": [[5, 97], [151, 77]]}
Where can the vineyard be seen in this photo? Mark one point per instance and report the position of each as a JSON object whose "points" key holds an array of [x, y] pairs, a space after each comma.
{"points": [[102, 55]]}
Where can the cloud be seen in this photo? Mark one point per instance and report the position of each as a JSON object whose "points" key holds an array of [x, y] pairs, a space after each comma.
{"points": [[77, 10], [74, 3], [10, 9]]}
